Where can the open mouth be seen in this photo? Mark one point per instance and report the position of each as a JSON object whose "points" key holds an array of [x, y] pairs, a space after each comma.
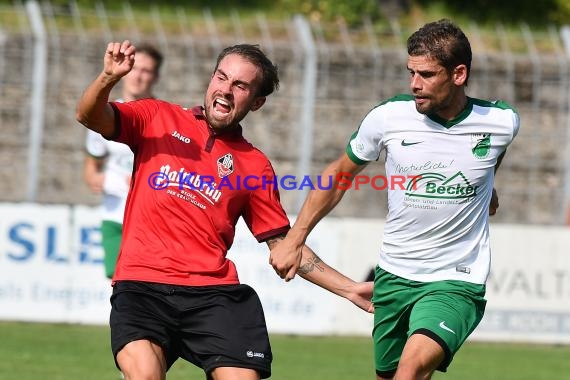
{"points": [[221, 105]]}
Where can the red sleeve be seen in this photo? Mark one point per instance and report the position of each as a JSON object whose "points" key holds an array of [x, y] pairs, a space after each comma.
{"points": [[264, 214], [132, 118]]}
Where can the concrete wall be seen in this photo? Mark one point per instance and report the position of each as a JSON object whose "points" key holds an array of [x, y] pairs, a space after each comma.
{"points": [[530, 182]]}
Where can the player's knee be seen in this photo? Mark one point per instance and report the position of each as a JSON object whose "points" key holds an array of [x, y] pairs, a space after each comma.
{"points": [[411, 370], [142, 371]]}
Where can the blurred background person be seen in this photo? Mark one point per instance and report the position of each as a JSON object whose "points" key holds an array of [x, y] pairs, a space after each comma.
{"points": [[108, 164]]}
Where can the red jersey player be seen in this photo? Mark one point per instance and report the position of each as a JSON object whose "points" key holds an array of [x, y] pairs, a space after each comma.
{"points": [[175, 292]]}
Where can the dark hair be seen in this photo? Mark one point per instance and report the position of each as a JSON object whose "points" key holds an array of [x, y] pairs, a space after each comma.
{"points": [[152, 52], [443, 41], [253, 54]]}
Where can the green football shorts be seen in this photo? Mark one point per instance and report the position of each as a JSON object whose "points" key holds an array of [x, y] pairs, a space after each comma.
{"points": [[111, 234], [445, 311]]}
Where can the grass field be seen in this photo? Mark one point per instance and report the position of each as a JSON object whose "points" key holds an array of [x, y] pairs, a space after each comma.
{"points": [[31, 351]]}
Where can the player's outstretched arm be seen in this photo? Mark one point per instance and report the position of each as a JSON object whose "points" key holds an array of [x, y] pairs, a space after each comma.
{"points": [[285, 257], [315, 270], [93, 110]]}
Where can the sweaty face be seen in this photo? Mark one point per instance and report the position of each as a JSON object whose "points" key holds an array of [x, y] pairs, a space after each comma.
{"points": [[231, 93], [436, 91], [137, 84]]}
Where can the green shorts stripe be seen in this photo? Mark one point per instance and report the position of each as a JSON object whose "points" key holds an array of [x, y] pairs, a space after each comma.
{"points": [[446, 311]]}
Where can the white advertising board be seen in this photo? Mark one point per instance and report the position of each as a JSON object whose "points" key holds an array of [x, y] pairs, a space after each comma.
{"points": [[528, 290], [50, 265], [51, 270]]}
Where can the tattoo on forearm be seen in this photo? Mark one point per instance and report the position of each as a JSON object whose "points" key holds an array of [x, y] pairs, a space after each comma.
{"points": [[308, 267], [274, 240]]}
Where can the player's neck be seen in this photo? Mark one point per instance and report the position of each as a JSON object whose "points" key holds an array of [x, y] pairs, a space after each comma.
{"points": [[456, 107]]}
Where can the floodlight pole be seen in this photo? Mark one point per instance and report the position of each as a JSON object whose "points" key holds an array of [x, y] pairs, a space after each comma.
{"points": [[307, 106], [37, 100]]}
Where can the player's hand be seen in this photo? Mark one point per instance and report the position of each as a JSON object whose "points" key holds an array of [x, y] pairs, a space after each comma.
{"points": [[119, 59], [494, 204], [361, 295], [285, 258]]}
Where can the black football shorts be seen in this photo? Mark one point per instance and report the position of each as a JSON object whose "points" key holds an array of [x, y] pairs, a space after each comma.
{"points": [[210, 326]]}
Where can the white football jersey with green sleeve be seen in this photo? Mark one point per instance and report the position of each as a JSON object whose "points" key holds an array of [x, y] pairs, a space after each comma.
{"points": [[437, 227]]}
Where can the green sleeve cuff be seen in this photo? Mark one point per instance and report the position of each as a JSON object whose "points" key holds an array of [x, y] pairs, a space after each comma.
{"points": [[353, 157]]}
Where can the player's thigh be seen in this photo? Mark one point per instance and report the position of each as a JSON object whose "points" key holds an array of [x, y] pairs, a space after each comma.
{"points": [[420, 358], [139, 313], [447, 314], [227, 331], [142, 359], [234, 373], [393, 299]]}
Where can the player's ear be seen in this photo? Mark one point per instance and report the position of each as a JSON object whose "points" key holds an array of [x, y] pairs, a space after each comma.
{"points": [[257, 103], [459, 75]]}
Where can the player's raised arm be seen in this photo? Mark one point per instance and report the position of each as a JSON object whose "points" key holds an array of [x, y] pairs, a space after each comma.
{"points": [[93, 110]]}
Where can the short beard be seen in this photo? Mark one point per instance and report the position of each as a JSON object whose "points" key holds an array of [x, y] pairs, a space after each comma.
{"points": [[427, 111]]}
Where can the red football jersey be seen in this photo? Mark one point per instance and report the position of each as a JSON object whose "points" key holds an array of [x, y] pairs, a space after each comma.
{"points": [[189, 187]]}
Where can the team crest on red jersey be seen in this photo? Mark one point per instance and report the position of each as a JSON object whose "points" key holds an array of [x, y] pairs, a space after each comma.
{"points": [[225, 165]]}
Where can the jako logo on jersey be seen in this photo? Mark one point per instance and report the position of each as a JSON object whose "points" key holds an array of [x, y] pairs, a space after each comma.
{"points": [[252, 354], [225, 165], [184, 139], [436, 185]]}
